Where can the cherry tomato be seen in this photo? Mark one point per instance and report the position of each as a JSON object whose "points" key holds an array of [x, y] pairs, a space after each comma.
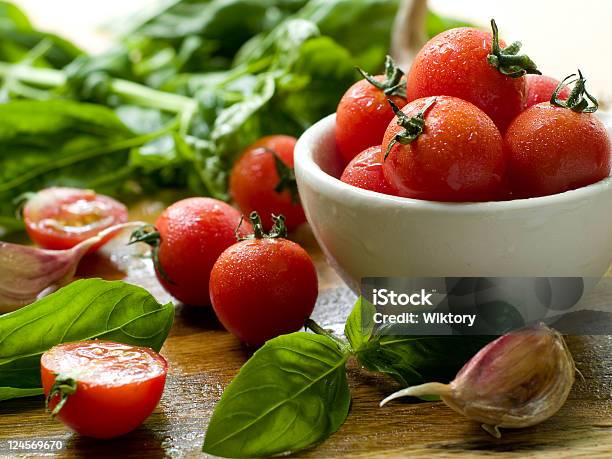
{"points": [[365, 171], [455, 155], [262, 180], [363, 113], [188, 238], [102, 389], [540, 89], [558, 147], [60, 218], [466, 63], [264, 286]]}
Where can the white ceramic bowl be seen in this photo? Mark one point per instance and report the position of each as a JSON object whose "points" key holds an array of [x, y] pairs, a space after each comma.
{"points": [[364, 233]]}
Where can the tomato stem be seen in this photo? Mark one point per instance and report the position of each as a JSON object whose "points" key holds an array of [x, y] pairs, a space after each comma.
{"points": [[508, 60], [579, 98], [63, 387], [413, 125], [394, 83], [150, 236], [279, 230]]}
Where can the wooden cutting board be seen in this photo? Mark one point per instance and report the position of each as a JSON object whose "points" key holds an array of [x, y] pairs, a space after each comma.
{"points": [[204, 358]]}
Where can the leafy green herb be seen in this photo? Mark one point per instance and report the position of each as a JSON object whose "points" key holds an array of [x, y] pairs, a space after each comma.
{"points": [[291, 394], [85, 309]]}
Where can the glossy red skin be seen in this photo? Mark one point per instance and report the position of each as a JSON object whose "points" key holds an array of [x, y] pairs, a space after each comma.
{"points": [[254, 178], [194, 232], [262, 288], [540, 89], [362, 117], [454, 63], [553, 149], [458, 158], [51, 223], [105, 410], [365, 171]]}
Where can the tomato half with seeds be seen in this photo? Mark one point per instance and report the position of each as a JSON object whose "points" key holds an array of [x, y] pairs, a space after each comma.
{"points": [[365, 171], [363, 113], [475, 66], [444, 149], [263, 181], [263, 286], [59, 218], [102, 389]]}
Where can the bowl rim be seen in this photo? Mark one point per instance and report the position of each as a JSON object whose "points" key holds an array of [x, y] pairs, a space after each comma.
{"points": [[305, 163]]}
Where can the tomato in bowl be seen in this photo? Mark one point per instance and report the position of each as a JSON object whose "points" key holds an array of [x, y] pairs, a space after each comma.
{"points": [[364, 233]]}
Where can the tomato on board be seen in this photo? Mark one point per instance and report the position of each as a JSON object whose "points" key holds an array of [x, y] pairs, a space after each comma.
{"points": [[263, 286], [444, 149], [365, 171], [263, 180], [475, 66], [560, 146], [363, 113], [102, 389], [540, 88], [187, 239], [60, 218]]}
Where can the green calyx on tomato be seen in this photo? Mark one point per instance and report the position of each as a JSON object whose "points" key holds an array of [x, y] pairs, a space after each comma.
{"points": [[579, 98], [508, 60], [149, 235], [279, 230], [63, 387], [394, 83], [413, 125], [286, 178]]}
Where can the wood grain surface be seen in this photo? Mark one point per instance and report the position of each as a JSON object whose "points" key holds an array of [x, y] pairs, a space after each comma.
{"points": [[204, 358]]}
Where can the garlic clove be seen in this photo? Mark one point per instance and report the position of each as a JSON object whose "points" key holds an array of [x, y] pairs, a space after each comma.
{"points": [[518, 380], [27, 273]]}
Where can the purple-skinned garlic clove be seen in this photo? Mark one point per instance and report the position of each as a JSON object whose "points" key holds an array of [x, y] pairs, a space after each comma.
{"points": [[518, 380]]}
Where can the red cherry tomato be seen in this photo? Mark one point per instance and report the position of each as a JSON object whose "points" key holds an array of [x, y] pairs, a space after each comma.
{"points": [[456, 63], [190, 235], [263, 287], [363, 113], [365, 171], [553, 149], [60, 218], [262, 180], [540, 89], [457, 156], [109, 388]]}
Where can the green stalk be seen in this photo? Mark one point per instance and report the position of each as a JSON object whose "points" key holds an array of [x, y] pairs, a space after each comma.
{"points": [[129, 91]]}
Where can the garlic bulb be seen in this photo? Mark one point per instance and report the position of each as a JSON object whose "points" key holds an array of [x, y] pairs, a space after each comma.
{"points": [[518, 380], [27, 273]]}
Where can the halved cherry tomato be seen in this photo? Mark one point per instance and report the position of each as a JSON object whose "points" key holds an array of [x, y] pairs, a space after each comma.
{"points": [[444, 149], [474, 66], [540, 88], [363, 113], [557, 147], [60, 218], [187, 239], [263, 286], [365, 171], [102, 389], [262, 180]]}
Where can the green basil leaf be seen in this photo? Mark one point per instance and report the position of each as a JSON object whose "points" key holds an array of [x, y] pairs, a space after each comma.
{"points": [[85, 309], [7, 393], [291, 394], [409, 359]]}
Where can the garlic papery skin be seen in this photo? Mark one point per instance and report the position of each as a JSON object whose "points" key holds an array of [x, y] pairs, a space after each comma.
{"points": [[518, 380], [27, 273]]}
